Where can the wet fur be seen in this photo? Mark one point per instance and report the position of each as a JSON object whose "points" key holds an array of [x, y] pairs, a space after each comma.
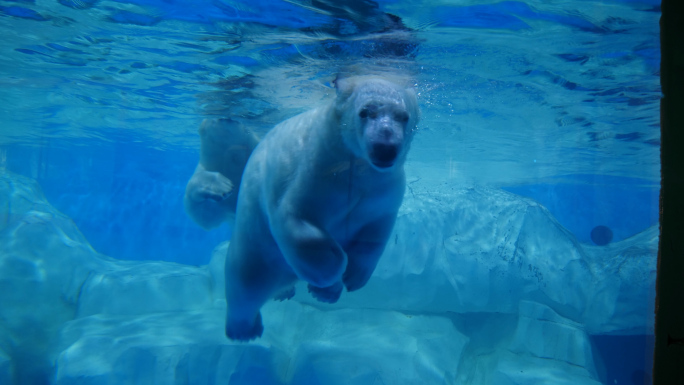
{"points": [[318, 200]]}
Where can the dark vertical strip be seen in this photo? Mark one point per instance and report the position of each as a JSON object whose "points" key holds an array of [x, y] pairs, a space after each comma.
{"points": [[669, 346]]}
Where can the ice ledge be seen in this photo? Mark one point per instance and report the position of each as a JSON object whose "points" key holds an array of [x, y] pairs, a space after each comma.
{"points": [[86, 318]]}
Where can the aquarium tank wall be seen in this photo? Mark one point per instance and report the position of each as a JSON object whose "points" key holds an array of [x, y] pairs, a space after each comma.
{"points": [[470, 196]]}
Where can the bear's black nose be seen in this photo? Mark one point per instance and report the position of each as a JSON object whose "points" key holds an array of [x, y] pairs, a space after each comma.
{"points": [[384, 155]]}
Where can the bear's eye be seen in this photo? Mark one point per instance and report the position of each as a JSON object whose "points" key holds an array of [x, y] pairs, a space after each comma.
{"points": [[401, 117], [369, 112]]}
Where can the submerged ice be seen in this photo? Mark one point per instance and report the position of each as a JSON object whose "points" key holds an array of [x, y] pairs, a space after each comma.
{"points": [[476, 286]]}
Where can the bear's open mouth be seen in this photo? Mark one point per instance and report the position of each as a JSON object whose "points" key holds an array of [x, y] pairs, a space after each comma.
{"points": [[383, 164], [384, 155]]}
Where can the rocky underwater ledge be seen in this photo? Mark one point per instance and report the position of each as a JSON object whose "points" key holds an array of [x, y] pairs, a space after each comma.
{"points": [[476, 286]]}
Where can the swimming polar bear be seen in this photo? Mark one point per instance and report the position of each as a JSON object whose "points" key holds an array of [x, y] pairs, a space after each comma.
{"points": [[318, 199]]}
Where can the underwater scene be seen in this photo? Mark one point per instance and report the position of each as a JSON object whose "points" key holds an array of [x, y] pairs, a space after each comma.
{"points": [[320, 192]]}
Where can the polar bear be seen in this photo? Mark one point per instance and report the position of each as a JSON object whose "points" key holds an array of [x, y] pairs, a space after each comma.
{"points": [[318, 199], [211, 194]]}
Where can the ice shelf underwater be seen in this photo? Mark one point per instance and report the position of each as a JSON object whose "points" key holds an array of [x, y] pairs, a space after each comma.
{"points": [[476, 286]]}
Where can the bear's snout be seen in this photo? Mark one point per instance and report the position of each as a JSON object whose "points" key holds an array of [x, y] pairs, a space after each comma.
{"points": [[383, 155]]}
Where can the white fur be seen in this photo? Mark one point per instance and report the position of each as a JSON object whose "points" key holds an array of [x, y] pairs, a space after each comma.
{"points": [[318, 199]]}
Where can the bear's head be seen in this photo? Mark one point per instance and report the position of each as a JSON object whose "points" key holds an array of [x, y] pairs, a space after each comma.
{"points": [[378, 118]]}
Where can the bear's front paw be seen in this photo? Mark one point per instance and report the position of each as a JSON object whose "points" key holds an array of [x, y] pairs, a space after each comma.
{"points": [[328, 294], [210, 185], [244, 330]]}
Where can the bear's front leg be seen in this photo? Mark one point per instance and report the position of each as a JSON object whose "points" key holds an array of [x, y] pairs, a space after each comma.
{"points": [[311, 252], [364, 252], [204, 192]]}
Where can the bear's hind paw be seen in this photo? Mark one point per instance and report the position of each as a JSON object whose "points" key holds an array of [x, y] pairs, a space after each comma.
{"points": [[285, 294], [328, 294], [245, 331]]}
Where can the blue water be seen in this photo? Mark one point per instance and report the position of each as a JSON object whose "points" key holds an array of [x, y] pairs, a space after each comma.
{"points": [[101, 100], [132, 210]]}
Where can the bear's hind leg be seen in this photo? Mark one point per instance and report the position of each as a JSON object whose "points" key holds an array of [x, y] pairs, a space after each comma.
{"points": [[250, 283]]}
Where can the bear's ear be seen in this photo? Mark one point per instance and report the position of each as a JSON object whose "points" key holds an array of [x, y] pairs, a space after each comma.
{"points": [[412, 104], [344, 86], [412, 99]]}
